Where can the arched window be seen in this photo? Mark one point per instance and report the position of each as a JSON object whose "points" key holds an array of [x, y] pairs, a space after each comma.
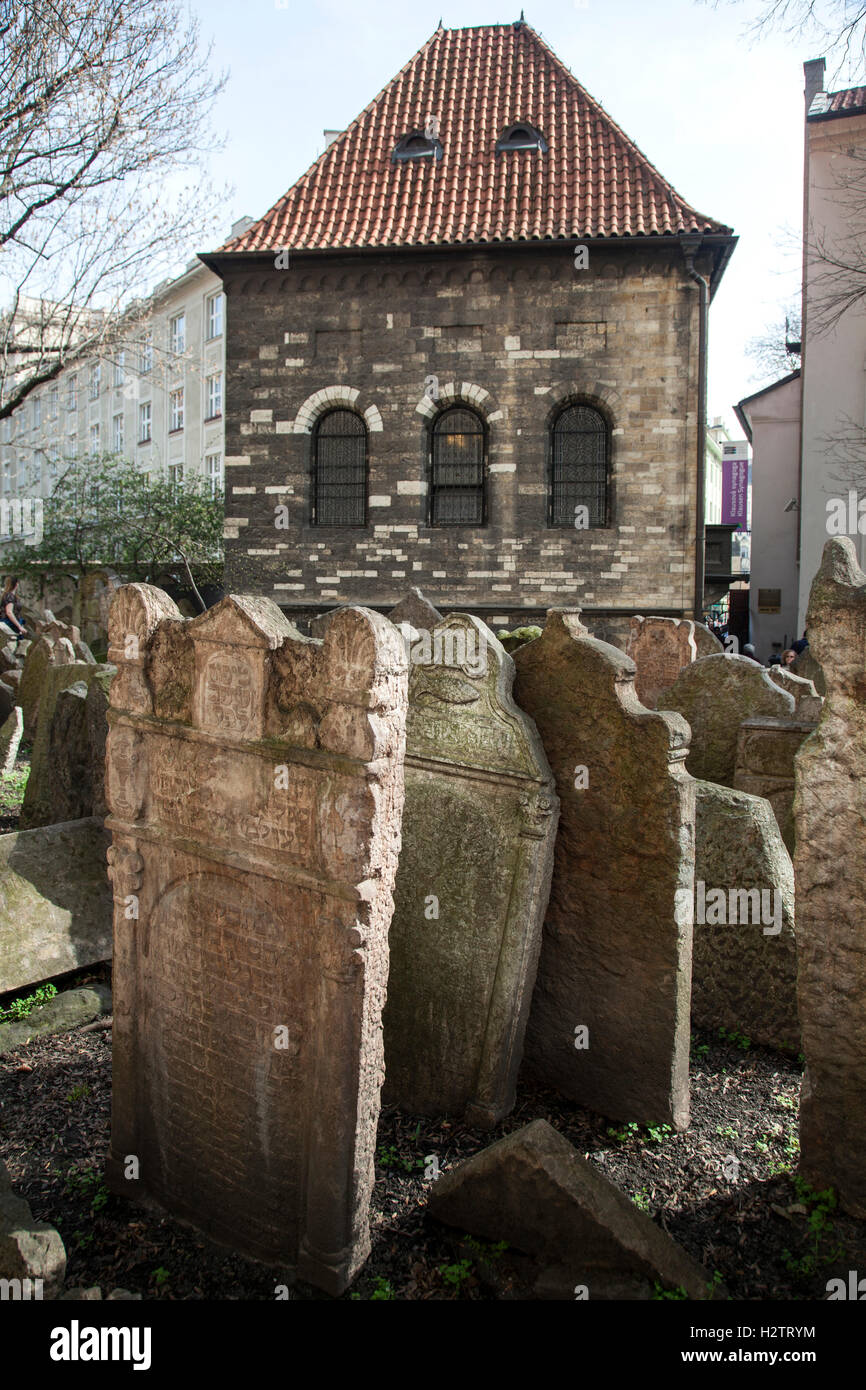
{"points": [[457, 469], [579, 467], [417, 145], [521, 137], [340, 470]]}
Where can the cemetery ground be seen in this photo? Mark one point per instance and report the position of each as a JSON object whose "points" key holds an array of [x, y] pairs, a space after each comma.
{"points": [[727, 1188]]}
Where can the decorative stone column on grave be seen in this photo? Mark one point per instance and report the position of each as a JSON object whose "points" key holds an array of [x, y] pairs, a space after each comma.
{"points": [[255, 780], [479, 827], [609, 1025], [830, 879]]}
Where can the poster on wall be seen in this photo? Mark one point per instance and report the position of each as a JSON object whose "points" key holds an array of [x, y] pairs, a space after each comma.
{"points": [[735, 491]]}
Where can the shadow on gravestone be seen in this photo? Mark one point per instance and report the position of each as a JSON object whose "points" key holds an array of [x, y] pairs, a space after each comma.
{"points": [[714, 695], [479, 825], [253, 870], [830, 874], [609, 1025]]}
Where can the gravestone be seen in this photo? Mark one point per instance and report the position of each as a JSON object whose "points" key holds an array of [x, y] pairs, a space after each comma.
{"points": [[36, 663], [764, 765], [659, 648], [714, 695], [807, 702], [52, 792], [744, 963], [10, 738], [255, 780], [609, 1025], [416, 610], [707, 642], [809, 668], [479, 825], [55, 904], [830, 871]]}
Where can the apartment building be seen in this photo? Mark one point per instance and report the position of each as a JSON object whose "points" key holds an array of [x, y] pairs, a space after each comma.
{"points": [[158, 400]]}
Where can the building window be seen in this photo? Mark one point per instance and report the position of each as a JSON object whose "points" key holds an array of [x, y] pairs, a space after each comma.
{"points": [[177, 334], [119, 370], [117, 434], [340, 470], [37, 472], [175, 474], [214, 386], [457, 469], [94, 439], [72, 447], [579, 468], [72, 393], [417, 145], [214, 315], [37, 412], [52, 403], [146, 355], [7, 430], [521, 137], [95, 381], [144, 423], [214, 472], [175, 402]]}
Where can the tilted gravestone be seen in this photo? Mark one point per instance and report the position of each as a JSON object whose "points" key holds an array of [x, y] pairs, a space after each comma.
{"points": [[479, 825], [714, 695], [609, 1025], [764, 765], [830, 874], [744, 962], [255, 780], [660, 648], [57, 760], [39, 658]]}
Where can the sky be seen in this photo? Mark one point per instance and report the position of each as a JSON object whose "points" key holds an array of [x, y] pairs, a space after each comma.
{"points": [[717, 109]]}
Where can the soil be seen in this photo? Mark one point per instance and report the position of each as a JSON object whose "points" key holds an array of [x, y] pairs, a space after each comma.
{"points": [[726, 1189]]}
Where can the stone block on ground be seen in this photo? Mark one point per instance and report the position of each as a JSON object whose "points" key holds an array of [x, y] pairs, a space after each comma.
{"points": [[609, 1025], [55, 903], [744, 963], [66, 1010], [255, 780], [830, 872], [29, 1249], [533, 1190], [478, 833], [714, 695]]}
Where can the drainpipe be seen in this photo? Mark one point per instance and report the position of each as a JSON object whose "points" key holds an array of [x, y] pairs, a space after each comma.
{"points": [[691, 244]]}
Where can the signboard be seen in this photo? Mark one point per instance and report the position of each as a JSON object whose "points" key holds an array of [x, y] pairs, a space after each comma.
{"points": [[735, 492]]}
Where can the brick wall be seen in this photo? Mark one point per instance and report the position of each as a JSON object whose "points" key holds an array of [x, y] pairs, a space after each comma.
{"points": [[514, 334]]}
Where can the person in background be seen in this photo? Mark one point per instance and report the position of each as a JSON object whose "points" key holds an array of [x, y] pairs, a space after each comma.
{"points": [[749, 651], [800, 645], [775, 660], [11, 616], [789, 657]]}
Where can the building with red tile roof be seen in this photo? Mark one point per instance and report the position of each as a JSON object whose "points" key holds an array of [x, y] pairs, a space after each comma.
{"points": [[466, 351]]}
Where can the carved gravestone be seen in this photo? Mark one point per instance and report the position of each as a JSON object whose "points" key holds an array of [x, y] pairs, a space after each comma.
{"points": [[58, 787], [609, 1025], [660, 648], [830, 873], [714, 695], [764, 765], [255, 780], [744, 965], [479, 825]]}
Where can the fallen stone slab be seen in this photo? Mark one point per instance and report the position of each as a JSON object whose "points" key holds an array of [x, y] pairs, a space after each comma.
{"points": [[55, 902], [533, 1190], [64, 1011], [29, 1249]]}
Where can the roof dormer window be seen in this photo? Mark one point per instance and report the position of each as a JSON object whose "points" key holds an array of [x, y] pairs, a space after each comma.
{"points": [[417, 145], [521, 137]]}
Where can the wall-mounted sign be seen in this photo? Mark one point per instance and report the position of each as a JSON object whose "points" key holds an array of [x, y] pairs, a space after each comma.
{"points": [[735, 491]]}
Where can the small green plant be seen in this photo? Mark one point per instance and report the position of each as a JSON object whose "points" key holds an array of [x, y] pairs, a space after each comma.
{"points": [[786, 1102], [13, 786], [89, 1184], [160, 1276], [387, 1156], [715, 1283], [82, 1239], [456, 1274], [78, 1093], [658, 1133], [20, 1008], [735, 1039], [382, 1292], [659, 1292], [819, 1205], [483, 1251], [628, 1131], [727, 1132], [641, 1200], [762, 1145]]}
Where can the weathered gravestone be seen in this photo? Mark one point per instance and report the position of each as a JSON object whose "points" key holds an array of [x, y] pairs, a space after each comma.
{"points": [[255, 779], [744, 962], [53, 786], [809, 668], [764, 765], [660, 648], [479, 825], [609, 1025], [715, 694], [807, 702], [416, 610], [55, 904], [830, 871], [10, 738]]}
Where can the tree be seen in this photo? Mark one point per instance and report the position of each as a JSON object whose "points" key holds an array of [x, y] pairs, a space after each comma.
{"points": [[838, 25], [104, 111], [776, 351], [104, 511]]}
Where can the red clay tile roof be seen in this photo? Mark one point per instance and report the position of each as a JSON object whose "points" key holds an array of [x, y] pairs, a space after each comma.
{"points": [[846, 103], [593, 181]]}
